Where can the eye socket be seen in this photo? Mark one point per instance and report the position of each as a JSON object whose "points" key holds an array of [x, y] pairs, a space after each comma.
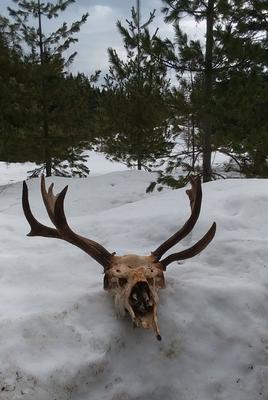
{"points": [[122, 282]]}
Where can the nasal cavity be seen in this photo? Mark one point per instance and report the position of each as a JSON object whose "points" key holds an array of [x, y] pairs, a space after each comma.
{"points": [[140, 298]]}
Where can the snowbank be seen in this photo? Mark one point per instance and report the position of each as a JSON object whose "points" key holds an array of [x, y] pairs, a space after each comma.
{"points": [[59, 336], [96, 162]]}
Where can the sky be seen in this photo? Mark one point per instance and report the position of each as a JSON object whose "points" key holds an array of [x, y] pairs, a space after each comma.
{"points": [[100, 32]]}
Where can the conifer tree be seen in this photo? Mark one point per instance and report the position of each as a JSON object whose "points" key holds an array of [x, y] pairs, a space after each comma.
{"points": [[207, 11], [242, 86], [45, 59], [134, 110], [12, 75], [234, 54]]}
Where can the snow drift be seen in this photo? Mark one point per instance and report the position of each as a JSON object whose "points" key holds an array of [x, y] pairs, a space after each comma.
{"points": [[59, 335]]}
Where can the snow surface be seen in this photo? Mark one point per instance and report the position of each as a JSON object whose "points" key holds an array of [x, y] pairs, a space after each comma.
{"points": [[96, 162], [59, 336]]}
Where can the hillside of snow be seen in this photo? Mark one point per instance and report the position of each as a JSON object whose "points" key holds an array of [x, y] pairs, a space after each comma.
{"points": [[96, 162], [60, 338]]}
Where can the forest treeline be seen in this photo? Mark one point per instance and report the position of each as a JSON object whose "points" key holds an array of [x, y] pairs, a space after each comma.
{"points": [[174, 101]]}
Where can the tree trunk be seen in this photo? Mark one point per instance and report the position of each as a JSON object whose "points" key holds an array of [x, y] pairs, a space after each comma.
{"points": [[208, 83], [260, 167], [193, 141], [139, 164], [47, 157]]}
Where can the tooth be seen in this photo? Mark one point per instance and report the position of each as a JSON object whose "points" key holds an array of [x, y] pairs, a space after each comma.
{"points": [[134, 296], [146, 297]]}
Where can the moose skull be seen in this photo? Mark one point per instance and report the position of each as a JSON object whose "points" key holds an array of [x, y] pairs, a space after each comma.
{"points": [[132, 280]]}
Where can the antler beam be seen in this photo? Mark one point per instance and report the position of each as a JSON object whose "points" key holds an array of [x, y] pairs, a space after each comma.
{"points": [[192, 251], [55, 208], [195, 197]]}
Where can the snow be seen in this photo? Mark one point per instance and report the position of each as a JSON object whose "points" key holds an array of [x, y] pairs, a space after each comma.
{"points": [[59, 335], [96, 162]]}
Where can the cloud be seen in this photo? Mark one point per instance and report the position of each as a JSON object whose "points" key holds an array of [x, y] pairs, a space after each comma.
{"points": [[100, 31], [96, 36]]}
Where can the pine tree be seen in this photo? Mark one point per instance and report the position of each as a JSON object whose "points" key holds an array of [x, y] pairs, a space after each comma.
{"points": [[242, 86], [200, 11], [134, 108], [235, 53], [46, 61], [12, 76]]}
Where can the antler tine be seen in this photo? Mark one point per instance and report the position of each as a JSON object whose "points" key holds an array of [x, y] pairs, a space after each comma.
{"points": [[55, 208], [94, 249], [195, 197], [37, 229], [192, 251], [49, 198]]}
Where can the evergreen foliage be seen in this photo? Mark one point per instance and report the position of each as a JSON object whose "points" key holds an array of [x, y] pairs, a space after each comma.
{"points": [[225, 82], [11, 82], [133, 109], [51, 97], [241, 94], [218, 103]]}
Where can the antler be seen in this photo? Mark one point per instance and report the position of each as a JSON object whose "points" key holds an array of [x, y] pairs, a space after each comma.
{"points": [[55, 208], [195, 197]]}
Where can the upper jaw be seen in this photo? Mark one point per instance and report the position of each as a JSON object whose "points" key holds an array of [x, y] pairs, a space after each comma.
{"points": [[144, 307], [141, 299]]}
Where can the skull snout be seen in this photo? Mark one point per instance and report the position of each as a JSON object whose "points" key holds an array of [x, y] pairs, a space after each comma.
{"points": [[141, 299]]}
